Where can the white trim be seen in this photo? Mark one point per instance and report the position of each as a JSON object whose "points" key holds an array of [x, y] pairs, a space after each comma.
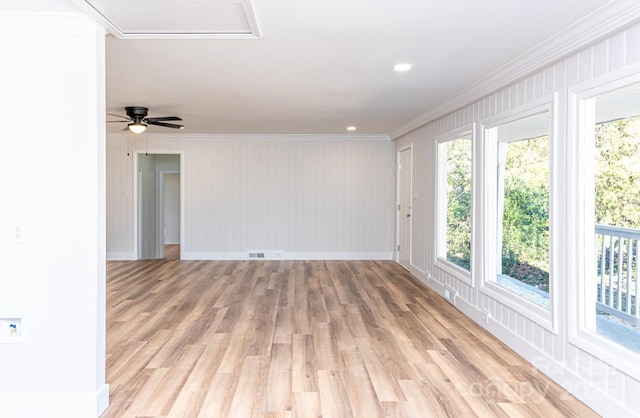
{"points": [[581, 202], [458, 133], [135, 154], [543, 104], [102, 397], [407, 147], [612, 16], [453, 269], [253, 137], [487, 285], [283, 255], [253, 33], [121, 256], [580, 388], [251, 19], [558, 372]]}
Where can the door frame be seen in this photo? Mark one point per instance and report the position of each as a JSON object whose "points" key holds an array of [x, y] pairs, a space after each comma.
{"points": [[408, 147], [135, 182]]}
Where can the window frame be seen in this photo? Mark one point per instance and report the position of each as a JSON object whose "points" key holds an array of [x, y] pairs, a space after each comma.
{"points": [[440, 210], [489, 154], [581, 198]]}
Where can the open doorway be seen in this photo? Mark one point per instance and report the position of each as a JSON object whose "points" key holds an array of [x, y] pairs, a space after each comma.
{"points": [[158, 206], [170, 187]]}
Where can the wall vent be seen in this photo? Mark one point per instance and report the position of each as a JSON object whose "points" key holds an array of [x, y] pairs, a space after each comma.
{"points": [[264, 254]]}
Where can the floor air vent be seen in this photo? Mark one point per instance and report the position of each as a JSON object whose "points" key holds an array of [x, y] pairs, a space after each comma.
{"points": [[256, 255]]}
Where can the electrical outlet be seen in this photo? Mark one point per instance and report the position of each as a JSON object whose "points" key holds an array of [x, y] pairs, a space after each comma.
{"points": [[486, 315], [450, 295], [18, 233], [10, 329]]}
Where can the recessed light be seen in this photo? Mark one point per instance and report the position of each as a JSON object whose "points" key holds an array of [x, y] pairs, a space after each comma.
{"points": [[351, 128], [402, 67]]}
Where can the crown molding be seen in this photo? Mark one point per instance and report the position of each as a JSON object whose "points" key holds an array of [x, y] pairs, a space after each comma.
{"points": [[614, 15], [253, 137], [112, 28]]}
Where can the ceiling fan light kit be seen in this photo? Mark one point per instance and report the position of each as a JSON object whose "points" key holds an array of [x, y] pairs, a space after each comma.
{"points": [[137, 120], [137, 127]]}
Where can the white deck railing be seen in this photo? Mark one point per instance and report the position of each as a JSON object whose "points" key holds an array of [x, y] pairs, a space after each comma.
{"points": [[618, 275]]}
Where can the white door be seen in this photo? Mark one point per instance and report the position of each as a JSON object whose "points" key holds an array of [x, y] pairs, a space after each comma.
{"points": [[404, 206]]}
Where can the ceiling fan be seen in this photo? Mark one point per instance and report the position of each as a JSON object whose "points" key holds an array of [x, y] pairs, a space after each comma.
{"points": [[137, 120]]}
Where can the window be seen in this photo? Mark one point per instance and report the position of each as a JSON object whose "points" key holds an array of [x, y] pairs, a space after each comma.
{"points": [[603, 197], [614, 137], [454, 203], [517, 213]]}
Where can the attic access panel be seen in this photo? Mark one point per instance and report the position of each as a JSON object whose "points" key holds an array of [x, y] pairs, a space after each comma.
{"points": [[140, 19]]}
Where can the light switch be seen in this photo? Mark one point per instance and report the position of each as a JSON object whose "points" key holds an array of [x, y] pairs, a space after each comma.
{"points": [[18, 233]]}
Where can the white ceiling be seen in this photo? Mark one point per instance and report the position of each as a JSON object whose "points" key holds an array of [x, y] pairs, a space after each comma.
{"points": [[321, 65]]}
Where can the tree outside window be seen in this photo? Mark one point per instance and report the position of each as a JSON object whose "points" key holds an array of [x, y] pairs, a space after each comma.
{"points": [[455, 199]]}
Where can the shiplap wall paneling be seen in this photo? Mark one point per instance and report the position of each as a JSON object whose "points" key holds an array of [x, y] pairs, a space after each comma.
{"points": [[119, 192], [579, 371], [303, 197]]}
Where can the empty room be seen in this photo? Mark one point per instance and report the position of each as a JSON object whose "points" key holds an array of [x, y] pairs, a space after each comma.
{"points": [[258, 208]]}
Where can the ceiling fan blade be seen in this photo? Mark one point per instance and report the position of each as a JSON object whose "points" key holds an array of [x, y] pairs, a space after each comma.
{"points": [[118, 116], [162, 118], [117, 121], [167, 125]]}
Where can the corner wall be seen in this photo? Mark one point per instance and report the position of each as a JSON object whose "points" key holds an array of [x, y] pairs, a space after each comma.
{"points": [[52, 182]]}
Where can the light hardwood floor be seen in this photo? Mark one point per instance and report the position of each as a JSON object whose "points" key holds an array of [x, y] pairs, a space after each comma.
{"points": [[171, 251], [305, 339]]}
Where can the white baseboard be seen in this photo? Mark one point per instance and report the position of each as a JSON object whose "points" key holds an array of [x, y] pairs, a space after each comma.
{"points": [[117, 256], [558, 372], [55, 405], [103, 399], [195, 255], [268, 255]]}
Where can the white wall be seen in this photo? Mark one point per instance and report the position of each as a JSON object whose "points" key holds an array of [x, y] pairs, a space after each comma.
{"points": [[306, 197], [51, 177], [147, 213], [171, 208], [610, 390]]}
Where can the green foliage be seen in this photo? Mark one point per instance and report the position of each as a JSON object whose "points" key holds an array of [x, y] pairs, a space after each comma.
{"points": [[617, 173], [459, 203], [525, 249], [617, 191], [525, 238]]}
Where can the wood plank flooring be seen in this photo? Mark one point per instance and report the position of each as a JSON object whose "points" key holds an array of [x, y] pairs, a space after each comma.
{"points": [[301, 339], [171, 251]]}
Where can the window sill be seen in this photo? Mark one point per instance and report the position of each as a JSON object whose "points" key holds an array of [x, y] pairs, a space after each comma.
{"points": [[533, 311], [454, 270]]}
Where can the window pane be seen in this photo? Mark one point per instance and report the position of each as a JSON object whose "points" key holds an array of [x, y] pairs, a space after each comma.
{"points": [[458, 174], [523, 208], [617, 215]]}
